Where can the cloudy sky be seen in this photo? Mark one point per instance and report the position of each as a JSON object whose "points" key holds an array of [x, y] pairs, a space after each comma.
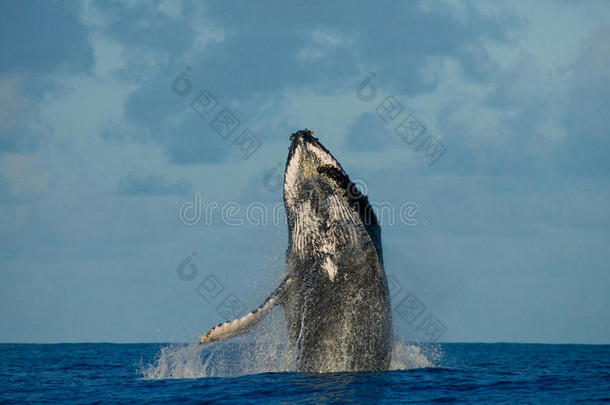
{"points": [[102, 142]]}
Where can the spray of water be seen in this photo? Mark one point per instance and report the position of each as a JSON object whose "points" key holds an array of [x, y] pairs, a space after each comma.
{"points": [[264, 350], [411, 355]]}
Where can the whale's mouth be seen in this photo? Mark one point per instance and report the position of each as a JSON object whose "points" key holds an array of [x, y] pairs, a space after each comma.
{"points": [[307, 158], [310, 162], [305, 137]]}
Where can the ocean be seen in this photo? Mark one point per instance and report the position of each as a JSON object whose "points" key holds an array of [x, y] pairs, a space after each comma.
{"points": [[232, 374]]}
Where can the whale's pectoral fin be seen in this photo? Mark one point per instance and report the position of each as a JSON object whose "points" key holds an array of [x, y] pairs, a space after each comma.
{"points": [[246, 323]]}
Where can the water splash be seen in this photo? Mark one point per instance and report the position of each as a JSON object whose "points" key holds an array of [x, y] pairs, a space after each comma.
{"points": [[407, 356], [176, 361], [262, 351]]}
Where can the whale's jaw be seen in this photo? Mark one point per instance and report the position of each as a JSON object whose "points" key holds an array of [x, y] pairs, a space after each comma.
{"points": [[306, 156]]}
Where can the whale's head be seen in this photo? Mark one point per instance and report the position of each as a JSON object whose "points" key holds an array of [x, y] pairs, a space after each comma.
{"points": [[311, 171], [326, 212]]}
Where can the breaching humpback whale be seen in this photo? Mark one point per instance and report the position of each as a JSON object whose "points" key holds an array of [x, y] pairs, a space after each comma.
{"points": [[335, 293]]}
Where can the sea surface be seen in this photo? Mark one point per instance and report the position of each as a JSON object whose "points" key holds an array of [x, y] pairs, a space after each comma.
{"points": [[183, 373]]}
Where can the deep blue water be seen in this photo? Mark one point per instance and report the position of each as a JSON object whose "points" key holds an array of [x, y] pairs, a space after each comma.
{"points": [[464, 373]]}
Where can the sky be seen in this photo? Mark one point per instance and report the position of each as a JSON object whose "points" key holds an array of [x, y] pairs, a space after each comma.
{"points": [[141, 144]]}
